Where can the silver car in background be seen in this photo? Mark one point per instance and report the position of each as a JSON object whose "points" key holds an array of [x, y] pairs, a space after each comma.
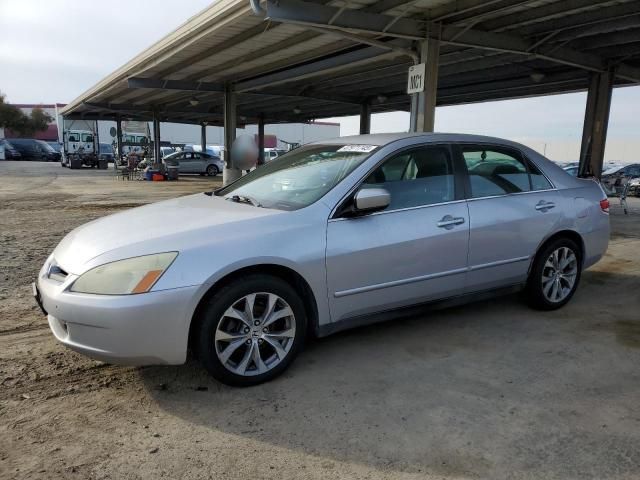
{"points": [[195, 162], [329, 236]]}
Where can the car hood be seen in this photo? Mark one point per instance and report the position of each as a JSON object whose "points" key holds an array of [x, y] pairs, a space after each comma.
{"points": [[151, 228]]}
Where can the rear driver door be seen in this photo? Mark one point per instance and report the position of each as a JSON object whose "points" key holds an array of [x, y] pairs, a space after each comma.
{"points": [[512, 208]]}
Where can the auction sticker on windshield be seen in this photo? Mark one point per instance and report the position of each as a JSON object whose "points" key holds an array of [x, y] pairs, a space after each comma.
{"points": [[358, 148]]}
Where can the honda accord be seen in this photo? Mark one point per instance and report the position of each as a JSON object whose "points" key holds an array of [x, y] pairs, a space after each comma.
{"points": [[332, 235]]}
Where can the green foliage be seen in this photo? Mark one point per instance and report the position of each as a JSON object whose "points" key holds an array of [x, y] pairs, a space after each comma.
{"points": [[25, 125]]}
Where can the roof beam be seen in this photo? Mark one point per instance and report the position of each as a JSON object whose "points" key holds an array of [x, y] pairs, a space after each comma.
{"points": [[482, 10], [119, 107], [323, 66], [568, 23], [187, 86], [542, 13], [377, 7], [500, 42], [512, 44], [313, 14], [161, 84], [307, 13], [621, 37]]}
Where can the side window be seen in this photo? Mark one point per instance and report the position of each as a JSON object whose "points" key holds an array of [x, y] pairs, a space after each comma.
{"points": [[494, 172], [633, 171], [538, 180], [416, 177]]}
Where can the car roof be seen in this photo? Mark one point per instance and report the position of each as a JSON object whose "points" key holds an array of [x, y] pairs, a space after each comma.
{"points": [[380, 139]]}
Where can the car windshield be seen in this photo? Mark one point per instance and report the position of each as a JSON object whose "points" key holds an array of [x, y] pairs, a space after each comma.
{"points": [[87, 137], [299, 178], [613, 170], [46, 146]]}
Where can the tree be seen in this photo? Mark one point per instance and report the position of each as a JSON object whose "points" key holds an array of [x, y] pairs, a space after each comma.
{"points": [[16, 120]]}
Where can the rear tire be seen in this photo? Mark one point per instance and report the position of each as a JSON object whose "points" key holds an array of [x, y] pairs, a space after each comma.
{"points": [[555, 275], [262, 345]]}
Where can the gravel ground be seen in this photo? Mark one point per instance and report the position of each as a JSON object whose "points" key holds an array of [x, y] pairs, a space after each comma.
{"points": [[489, 390]]}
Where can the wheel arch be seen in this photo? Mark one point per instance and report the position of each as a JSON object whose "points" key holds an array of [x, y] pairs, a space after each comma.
{"points": [[567, 233], [297, 281]]}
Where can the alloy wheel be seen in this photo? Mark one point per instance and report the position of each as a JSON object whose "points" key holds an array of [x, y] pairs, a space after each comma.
{"points": [[255, 334], [559, 274]]}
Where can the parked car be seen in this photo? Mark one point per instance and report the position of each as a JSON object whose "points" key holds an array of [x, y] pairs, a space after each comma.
{"points": [[106, 152], [214, 150], [614, 179], [368, 227], [57, 146], [270, 154], [634, 187], [195, 162], [166, 151], [50, 153], [573, 170], [38, 150], [10, 152]]}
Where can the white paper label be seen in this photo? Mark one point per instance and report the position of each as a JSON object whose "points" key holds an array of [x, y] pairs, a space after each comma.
{"points": [[358, 148]]}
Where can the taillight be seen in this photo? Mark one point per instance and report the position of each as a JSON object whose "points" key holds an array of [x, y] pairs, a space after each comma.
{"points": [[604, 205]]}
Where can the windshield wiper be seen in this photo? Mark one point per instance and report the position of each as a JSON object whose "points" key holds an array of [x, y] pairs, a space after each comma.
{"points": [[244, 199]]}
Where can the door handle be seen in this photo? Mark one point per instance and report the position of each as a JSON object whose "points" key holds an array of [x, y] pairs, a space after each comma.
{"points": [[449, 222], [543, 206]]}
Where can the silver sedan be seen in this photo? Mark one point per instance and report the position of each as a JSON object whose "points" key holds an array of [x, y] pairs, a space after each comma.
{"points": [[329, 236], [195, 162]]}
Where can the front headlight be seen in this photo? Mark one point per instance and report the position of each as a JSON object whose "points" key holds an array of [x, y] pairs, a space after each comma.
{"points": [[124, 277]]}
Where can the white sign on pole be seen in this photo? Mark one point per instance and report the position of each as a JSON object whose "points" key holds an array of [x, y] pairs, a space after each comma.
{"points": [[415, 83]]}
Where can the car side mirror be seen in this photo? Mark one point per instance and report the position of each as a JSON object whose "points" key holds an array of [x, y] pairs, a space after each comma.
{"points": [[368, 200]]}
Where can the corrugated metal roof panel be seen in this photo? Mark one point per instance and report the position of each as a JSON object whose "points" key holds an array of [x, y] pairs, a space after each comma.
{"points": [[226, 42]]}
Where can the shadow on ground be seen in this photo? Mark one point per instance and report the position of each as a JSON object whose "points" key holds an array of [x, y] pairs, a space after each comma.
{"points": [[483, 390]]}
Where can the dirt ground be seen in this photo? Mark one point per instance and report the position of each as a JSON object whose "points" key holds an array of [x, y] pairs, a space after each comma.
{"points": [[490, 390]]}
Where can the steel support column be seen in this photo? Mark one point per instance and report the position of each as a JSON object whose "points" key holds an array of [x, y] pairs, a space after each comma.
{"points": [[230, 174], [596, 121], [156, 140], [260, 139], [423, 104], [203, 136], [365, 118], [119, 140]]}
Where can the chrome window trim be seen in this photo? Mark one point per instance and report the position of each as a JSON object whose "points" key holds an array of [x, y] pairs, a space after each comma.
{"points": [[396, 283], [431, 276], [475, 199], [386, 212]]}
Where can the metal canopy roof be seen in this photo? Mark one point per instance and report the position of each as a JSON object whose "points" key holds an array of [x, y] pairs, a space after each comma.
{"points": [[316, 59]]}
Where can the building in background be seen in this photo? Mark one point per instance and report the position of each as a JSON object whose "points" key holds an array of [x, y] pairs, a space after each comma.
{"points": [[51, 133], [180, 133]]}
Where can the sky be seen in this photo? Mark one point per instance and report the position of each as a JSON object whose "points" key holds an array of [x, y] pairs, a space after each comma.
{"points": [[53, 50]]}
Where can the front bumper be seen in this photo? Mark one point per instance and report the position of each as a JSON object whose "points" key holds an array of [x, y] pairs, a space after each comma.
{"points": [[145, 329]]}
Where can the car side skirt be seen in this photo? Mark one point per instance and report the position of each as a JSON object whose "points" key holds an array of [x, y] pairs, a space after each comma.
{"points": [[413, 310]]}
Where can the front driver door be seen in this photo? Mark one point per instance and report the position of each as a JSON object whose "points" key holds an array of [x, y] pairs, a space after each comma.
{"points": [[413, 251]]}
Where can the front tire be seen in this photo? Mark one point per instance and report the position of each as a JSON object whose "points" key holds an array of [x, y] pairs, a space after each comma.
{"points": [[251, 330], [212, 170], [555, 275]]}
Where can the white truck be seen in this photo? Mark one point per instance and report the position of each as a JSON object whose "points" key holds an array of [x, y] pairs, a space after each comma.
{"points": [[80, 145]]}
